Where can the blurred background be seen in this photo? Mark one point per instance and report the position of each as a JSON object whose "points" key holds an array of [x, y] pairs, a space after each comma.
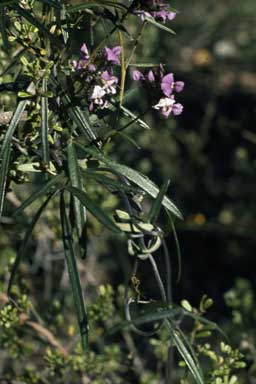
{"points": [[209, 151]]}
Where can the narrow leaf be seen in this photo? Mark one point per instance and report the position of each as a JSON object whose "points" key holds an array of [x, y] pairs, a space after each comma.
{"points": [[45, 126], [137, 178], [5, 151], [108, 182], [82, 121], [152, 21], [137, 120], [52, 3], [24, 244], [73, 275], [177, 245], [156, 206], [102, 3], [52, 183], [8, 2], [97, 212], [76, 181], [79, 117], [148, 318], [186, 355]]}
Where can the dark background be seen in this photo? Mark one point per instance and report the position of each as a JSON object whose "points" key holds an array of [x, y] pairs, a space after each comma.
{"points": [[209, 151]]}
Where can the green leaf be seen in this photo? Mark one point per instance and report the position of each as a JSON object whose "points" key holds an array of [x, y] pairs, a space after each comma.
{"points": [[128, 113], [24, 95], [81, 120], [79, 117], [159, 25], [205, 321], [189, 359], [186, 305], [52, 183], [13, 62], [32, 20], [137, 178], [24, 244], [7, 2], [177, 245], [76, 181], [36, 167], [97, 212], [148, 318], [156, 206], [110, 183], [128, 138], [45, 125], [73, 275], [102, 3], [52, 3], [5, 151]]}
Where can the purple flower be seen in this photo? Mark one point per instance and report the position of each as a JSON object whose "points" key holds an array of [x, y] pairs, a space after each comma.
{"points": [[84, 52], [151, 76], [168, 85], [97, 98], [163, 87], [167, 105], [157, 9], [112, 54], [109, 82], [177, 109], [83, 60], [137, 75], [163, 15], [109, 78], [179, 85]]}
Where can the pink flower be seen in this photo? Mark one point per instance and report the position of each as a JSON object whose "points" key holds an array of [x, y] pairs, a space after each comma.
{"points": [[109, 82], [156, 9], [167, 105], [83, 60], [151, 76], [137, 75], [168, 85], [112, 54]]}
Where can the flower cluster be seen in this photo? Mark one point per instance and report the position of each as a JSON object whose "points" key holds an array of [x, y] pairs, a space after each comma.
{"points": [[99, 76], [161, 87], [157, 9]]}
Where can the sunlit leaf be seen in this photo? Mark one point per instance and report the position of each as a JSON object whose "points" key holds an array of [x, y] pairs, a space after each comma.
{"points": [[32, 20]]}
